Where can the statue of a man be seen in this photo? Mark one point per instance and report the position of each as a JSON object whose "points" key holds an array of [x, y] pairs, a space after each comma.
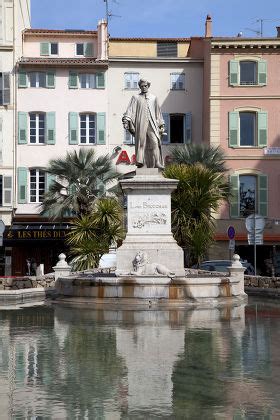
{"points": [[143, 119]]}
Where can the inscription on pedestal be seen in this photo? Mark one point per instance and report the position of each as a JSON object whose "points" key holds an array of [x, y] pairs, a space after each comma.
{"points": [[149, 214]]}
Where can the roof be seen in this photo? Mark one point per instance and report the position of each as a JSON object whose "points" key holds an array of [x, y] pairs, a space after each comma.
{"points": [[65, 32], [151, 39], [62, 61]]}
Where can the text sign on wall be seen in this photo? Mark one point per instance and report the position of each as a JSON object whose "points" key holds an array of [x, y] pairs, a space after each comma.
{"points": [[36, 234], [271, 151]]}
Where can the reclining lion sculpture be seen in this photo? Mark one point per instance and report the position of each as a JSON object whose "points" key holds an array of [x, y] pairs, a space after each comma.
{"points": [[141, 266]]}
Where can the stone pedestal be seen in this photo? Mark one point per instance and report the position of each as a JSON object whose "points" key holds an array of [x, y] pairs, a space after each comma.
{"points": [[149, 224]]}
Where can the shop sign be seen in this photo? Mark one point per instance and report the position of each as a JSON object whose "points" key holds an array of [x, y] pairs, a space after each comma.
{"points": [[124, 158], [271, 151], [40, 234]]}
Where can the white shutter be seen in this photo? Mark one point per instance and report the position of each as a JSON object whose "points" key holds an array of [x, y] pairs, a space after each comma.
{"points": [[7, 190]]}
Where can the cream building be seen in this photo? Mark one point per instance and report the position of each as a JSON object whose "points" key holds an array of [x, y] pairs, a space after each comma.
{"points": [[14, 17]]}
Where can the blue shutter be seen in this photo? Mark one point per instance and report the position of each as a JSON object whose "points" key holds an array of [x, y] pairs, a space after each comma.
{"points": [[50, 127], [101, 127], [22, 185], [22, 127], [188, 128], [166, 139], [233, 72], [262, 72], [262, 196], [73, 123], [262, 128], [233, 129], [234, 199]]}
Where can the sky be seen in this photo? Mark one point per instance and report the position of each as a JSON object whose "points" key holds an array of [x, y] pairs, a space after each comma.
{"points": [[159, 18]]}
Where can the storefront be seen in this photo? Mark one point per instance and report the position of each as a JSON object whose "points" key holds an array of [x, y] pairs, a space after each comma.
{"points": [[33, 245]]}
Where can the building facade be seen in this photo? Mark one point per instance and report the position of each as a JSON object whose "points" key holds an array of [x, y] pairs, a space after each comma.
{"points": [[14, 17]]}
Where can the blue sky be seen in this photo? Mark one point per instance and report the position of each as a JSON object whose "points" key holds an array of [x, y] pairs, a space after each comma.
{"points": [[159, 18]]}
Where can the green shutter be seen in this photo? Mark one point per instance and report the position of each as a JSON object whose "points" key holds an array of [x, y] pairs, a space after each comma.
{"points": [[262, 72], [22, 185], [7, 190], [88, 49], [233, 124], [6, 95], [73, 119], [44, 48], [101, 127], [22, 127], [262, 129], [73, 80], [188, 128], [50, 127], [50, 179], [22, 79], [233, 72], [234, 199], [262, 184], [166, 139], [100, 80], [50, 79]]}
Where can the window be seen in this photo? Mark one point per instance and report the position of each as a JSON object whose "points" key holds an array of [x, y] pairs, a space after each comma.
{"points": [[128, 138], [87, 81], [249, 194], [248, 75], [131, 80], [247, 72], [37, 185], [37, 79], [167, 49], [247, 129], [177, 81], [37, 128], [87, 128], [4, 88], [178, 128], [48, 48], [5, 190], [85, 49]]}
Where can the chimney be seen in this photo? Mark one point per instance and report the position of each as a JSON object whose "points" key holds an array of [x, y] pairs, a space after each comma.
{"points": [[278, 31], [208, 27]]}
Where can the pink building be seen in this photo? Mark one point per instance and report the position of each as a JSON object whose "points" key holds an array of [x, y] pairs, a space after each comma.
{"points": [[244, 107]]}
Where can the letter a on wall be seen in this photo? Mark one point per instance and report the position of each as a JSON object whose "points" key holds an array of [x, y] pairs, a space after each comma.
{"points": [[123, 158]]}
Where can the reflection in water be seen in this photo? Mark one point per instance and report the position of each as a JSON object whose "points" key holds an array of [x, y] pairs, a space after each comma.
{"points": [[69, 362]]}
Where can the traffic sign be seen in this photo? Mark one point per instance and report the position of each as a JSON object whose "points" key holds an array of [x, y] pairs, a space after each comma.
{"points": [[255, 223], [231, 244], [231, 232], [256, 239]]}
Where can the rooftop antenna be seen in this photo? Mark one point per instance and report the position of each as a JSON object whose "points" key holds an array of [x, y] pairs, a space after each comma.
{"points": [[260, 21], [109, 14]]}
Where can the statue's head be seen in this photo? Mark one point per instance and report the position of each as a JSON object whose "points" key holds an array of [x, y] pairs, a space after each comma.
{"points": [[144, 85]]}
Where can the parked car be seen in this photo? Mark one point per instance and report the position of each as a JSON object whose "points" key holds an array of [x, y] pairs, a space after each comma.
{"points": [[222, 266]]}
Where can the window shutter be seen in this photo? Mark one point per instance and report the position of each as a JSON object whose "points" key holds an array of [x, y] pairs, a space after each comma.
{"points": [[50, 127], [73, 127], [22, 127], [22, 79], [73, 80], [22, 185], [127, 80], [44, 48], [188, 128], [262, 128], [101, 127], [262, 195], [233, 128], [234, 199], [100, 80], [50, 79], [6, 88], [233, 72], [7, 190], [262, 72], [88, 49], [49, 180], [166, 139]]}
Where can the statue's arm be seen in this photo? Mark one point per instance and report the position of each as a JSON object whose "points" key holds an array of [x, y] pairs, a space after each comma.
{"points": [[128, 118], [159, 117]]}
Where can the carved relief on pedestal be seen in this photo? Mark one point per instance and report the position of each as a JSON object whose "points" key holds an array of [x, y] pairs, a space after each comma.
{"points": [[142, 266]]}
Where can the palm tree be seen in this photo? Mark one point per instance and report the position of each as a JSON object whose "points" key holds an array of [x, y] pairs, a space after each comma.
{"points": [[211, 157], [92, 234], [79, 179], [199, 193]]}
